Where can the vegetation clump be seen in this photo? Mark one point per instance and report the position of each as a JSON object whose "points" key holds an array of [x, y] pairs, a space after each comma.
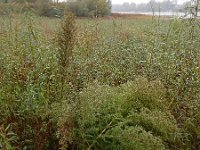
{"points": [[131, 116], [90, 8]]}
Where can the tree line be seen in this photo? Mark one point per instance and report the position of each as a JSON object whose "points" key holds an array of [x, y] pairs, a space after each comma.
{"points": [[81, 8], [89, 8]]}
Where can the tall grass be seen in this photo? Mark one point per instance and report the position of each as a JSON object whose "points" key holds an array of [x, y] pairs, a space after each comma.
{"points": [[99, 84]]}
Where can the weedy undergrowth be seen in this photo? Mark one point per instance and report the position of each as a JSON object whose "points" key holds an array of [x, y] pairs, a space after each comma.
{"points": [[103, 84]]}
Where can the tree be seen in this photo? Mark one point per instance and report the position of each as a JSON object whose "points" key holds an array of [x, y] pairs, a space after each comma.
{"points": [[94, 8]]}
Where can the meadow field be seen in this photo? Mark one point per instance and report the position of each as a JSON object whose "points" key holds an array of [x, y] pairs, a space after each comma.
{"points": [[113, 83]]}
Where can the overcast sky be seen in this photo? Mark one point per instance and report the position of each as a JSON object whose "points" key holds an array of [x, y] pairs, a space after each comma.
{"points": [[136, 1], [139, 1]]}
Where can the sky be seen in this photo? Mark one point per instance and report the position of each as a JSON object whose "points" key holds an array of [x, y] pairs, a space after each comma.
{"points": [[138, 1]]}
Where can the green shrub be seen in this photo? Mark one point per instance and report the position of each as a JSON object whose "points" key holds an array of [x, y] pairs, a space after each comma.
{"points": [[108, 114], [135, 138]]}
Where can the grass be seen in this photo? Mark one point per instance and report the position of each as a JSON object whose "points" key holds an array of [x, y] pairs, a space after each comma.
{"points": [[109, 83]]}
